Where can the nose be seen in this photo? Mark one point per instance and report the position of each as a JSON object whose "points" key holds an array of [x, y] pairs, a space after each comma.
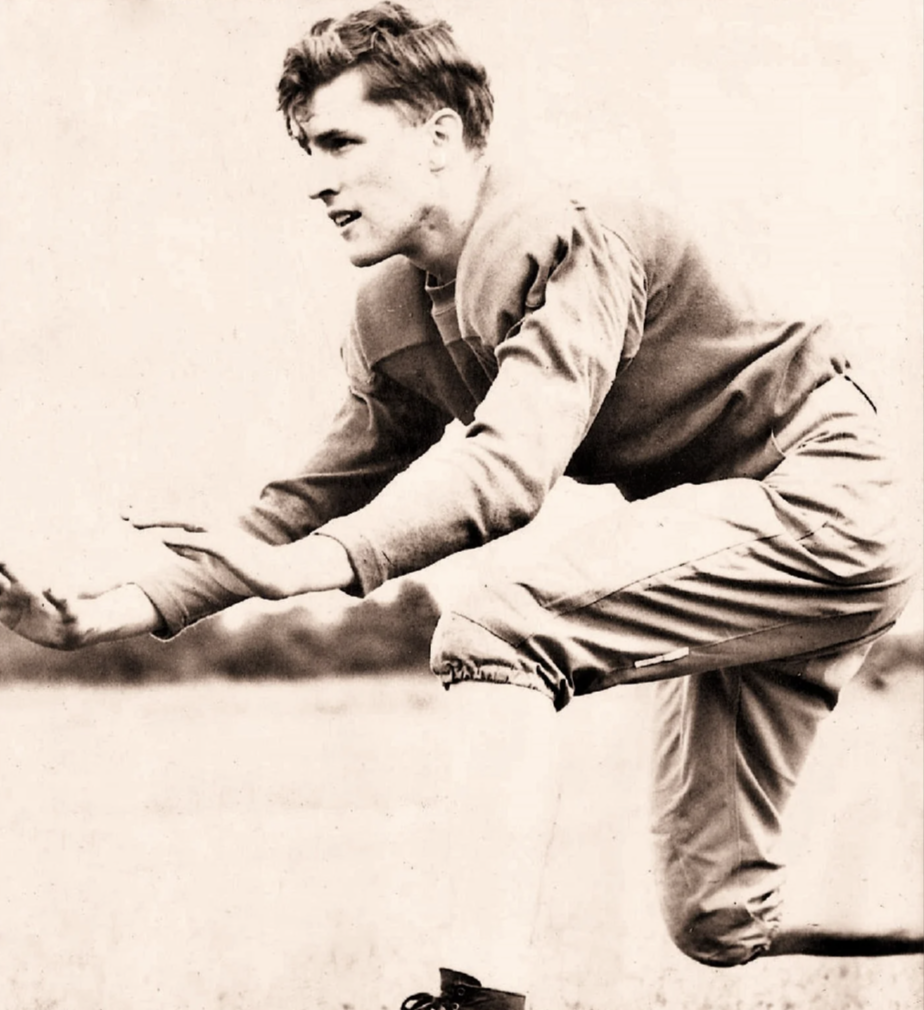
{"points": [[322, 183]]}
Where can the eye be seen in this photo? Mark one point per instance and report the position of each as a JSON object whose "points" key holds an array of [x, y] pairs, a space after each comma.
{"points": [[339, 144]]}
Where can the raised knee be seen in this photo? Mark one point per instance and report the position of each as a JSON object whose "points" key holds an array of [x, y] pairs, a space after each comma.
{"points": [[460, 640], [471, 642]]}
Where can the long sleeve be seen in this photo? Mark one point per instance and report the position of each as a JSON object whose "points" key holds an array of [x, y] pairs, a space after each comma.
{"points": [[557, 308], [380, 428]]}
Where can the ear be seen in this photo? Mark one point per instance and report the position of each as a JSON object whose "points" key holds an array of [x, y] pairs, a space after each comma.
{"points": [[447, 138]]}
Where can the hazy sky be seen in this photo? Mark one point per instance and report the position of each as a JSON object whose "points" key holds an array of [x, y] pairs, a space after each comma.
{"points": [[172, 305]]}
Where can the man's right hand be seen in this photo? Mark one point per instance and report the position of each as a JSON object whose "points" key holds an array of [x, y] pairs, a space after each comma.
{"points": [[58, 623], [41, 617]]}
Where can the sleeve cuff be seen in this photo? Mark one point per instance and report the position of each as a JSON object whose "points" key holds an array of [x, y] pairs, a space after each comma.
{"points": [[172, 615], [368, 563]]}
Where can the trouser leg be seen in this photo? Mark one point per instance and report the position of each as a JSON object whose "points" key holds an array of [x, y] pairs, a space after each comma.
{"points": [[750, 660], [717, 809], [700, 578], [762, 595]]}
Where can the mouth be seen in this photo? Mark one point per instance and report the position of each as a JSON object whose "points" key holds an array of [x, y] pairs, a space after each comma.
{"points": [[343, 218]]}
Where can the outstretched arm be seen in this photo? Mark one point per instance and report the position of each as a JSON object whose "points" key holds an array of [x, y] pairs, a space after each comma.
{"points": [[271, 571], [379, 430], [50, 619]]}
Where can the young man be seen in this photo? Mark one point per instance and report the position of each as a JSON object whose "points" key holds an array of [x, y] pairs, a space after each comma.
{"points": [[759, 555]]}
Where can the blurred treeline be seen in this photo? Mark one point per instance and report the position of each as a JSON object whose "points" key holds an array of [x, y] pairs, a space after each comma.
{"points": [[375, 634], [371, 635]]}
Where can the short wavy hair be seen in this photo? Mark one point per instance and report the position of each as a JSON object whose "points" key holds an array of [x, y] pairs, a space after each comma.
{"points": [[416, 66]]}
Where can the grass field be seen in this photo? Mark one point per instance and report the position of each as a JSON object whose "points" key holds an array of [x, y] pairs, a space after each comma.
{"points": [[219, 846]]}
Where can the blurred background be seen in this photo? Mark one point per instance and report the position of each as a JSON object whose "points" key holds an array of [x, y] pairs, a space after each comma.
{"points": [[173, 305], [170, 317]]}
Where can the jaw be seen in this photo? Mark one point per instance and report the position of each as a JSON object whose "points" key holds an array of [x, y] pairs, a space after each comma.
{"points": [[365, 253], [367, 244]]}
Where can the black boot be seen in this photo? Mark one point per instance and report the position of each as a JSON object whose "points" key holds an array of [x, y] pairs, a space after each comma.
{"points": [[460, 991]]}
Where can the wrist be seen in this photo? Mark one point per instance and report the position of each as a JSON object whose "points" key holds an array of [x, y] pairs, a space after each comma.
{"points": [[119, 613], [337, 563], [315, 564]]}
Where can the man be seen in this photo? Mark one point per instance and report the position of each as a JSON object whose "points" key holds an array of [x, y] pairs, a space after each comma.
{"points": [[759, 557]]}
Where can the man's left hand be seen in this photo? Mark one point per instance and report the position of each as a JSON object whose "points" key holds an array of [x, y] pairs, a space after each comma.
{"points": [[272, 572]]}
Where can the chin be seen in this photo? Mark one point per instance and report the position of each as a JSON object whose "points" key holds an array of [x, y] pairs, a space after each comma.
{"points": [[369, 257], [366, 259]]}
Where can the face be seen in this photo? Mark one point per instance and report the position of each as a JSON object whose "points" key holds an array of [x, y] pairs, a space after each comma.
{"points": [[370, 168]]}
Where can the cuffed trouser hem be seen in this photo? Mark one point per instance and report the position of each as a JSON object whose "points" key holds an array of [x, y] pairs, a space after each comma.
{"points": [[463, 650], [720, 942]]}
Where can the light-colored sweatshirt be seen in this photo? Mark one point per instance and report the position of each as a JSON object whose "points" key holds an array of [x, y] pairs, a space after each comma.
{"points": [[597, 343]]}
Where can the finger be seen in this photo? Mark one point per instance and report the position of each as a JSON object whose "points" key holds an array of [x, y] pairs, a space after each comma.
{"points": [[140, 522], [165, 536], [192, 550], [61, 605], [7, 579], [190, 553], [178, 536], [166, 524], [179, 541]]}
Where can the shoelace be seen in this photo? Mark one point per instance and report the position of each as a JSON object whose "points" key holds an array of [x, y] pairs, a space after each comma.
{"points": [[424, 1001]]}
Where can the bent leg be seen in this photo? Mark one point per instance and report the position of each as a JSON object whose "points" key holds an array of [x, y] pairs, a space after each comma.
{"points": [[717, 808], [702, 577], [761, 594], [699, 578]]}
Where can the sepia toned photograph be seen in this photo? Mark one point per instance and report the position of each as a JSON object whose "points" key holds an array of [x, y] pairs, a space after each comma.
{"points": [[461, 505]]}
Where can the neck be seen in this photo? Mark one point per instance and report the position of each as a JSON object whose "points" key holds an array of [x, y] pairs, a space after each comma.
{"points": [[447, 227]]}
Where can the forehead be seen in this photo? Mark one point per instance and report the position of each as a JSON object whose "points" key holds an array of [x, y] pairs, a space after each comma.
{"points": [[342, 105]]}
